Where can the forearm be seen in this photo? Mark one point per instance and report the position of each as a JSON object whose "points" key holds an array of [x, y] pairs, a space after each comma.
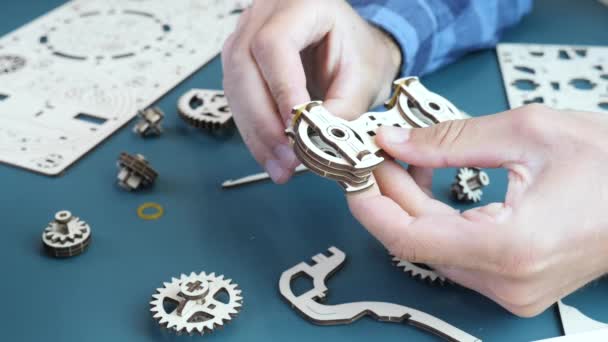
{"points": [[433, 33]]}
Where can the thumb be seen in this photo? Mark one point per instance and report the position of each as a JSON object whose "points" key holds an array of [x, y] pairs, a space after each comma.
{"points": [[489, 141]]}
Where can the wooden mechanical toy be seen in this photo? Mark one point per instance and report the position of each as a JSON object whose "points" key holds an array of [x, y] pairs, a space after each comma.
{"points": [[345, 151]]}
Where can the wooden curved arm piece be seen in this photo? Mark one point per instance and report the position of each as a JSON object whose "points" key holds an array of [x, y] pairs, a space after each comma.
{"points": [[309, 306]]}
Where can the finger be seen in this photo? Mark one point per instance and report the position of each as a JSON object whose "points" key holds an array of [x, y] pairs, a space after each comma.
{"points": [[260, 128], [254, 110], [344, 97], [350, 84], [423, 177], [489, 141], [397, 184], [276, 49], [440, 239], [345, 93]]}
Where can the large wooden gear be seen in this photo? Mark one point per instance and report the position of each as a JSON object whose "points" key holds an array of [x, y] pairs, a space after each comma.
{"points": [[190, 304], [205, 109], [345, 151]]}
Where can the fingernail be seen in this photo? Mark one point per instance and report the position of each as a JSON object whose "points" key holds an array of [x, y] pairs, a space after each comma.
{"points": [[395, 135], [286, 156], [275, 170]]}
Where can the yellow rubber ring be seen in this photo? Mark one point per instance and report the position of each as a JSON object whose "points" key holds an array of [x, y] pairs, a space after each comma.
{"points": [[149, 217]]}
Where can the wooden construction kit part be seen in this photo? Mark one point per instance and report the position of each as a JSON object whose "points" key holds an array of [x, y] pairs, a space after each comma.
{"points": [[256, 178], [190, 304], [74, 76], [309, 304], [345, 151], [577, 327], [575, 322], [149, 123], [419, 271], [564, 77], [469, 183], [66, 235], [135, 172], [205, 109]]}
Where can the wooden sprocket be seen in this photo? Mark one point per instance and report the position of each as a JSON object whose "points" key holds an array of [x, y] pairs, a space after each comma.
{"points": [[345, 151]]}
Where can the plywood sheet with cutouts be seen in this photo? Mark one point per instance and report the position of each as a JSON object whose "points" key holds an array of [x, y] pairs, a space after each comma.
{"points": [[560, 76], [74, 76]]}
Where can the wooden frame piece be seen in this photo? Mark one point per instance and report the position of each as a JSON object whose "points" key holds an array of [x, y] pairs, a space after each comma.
{"points": [[346, 151]]}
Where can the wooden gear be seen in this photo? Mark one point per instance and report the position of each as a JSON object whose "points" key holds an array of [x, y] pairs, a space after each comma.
{"points": [[66, 235], [190, 304], [149, 123], [469, 183], [345, 151], [135, 172], [205, 109]]}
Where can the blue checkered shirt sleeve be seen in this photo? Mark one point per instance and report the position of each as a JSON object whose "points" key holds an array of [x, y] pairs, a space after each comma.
{"points": [[433, 33]]}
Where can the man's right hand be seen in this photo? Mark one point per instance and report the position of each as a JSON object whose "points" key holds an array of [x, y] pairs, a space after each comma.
{"points": [[547, 239], [285, 51]]}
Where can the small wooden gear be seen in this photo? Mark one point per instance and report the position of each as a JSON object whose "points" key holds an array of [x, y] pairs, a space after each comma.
{"points": [[66, 235], [149, 123], [135, 172], [205, 109], [469, 183], [345, 151]]}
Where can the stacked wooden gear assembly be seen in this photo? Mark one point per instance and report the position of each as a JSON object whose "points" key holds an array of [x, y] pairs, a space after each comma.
{"points": [[66, 235], [135, 172], [345, 151]]}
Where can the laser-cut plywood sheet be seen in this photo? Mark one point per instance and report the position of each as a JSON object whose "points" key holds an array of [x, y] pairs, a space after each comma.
{"points": [[560, 76], [72, 77]]}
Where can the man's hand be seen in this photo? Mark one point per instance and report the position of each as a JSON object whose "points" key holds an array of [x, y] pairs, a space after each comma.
{"points": [[546, 240], [282, 50]]}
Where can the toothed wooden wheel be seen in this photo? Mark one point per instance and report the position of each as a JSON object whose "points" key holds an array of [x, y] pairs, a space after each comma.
{"points": [[66, 235], [196, 303]]}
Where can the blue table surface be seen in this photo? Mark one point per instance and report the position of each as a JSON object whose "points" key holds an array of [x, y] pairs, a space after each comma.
{"points": [[250, 234]]}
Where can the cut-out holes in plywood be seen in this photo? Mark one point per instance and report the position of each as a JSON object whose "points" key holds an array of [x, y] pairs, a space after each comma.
{"points": [[72, 77], [563, 77]]}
